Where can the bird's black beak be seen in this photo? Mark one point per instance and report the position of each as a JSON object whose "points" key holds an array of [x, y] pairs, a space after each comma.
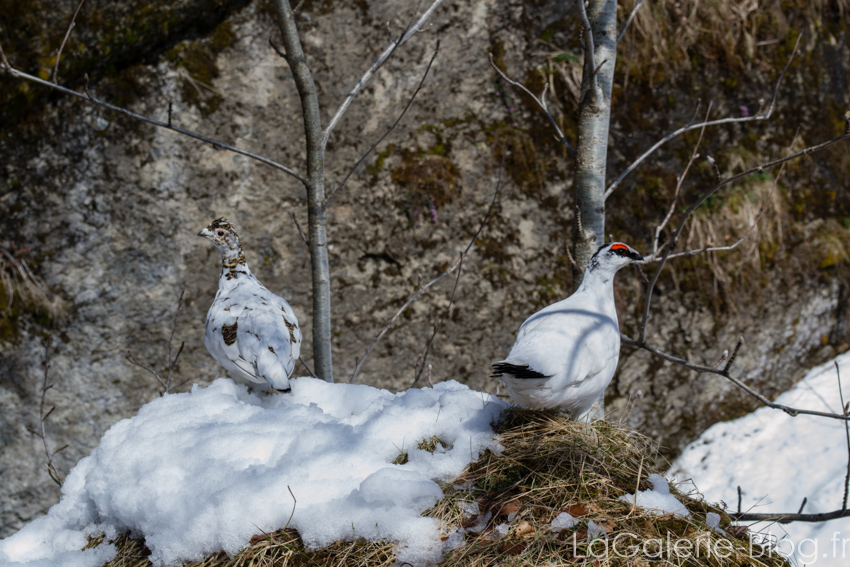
{"points": [[204, 233], [635, 256]]}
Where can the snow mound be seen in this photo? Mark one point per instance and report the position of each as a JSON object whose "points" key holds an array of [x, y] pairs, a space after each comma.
{"points": [[777, 460], [658, 499], [204, 471]]}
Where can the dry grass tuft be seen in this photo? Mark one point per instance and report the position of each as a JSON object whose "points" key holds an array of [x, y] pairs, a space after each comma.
{"points": [[549, 465], [552, 465], [282, 548], [19, 284]]}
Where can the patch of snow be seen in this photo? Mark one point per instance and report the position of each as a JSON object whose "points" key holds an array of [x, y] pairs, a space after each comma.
{"points": [[501, 531], [456, 538], [777, 460], [712, 520], [204, 471], [562, 522], [658, 499], [470, 509], [480, 524], [594, 530]]}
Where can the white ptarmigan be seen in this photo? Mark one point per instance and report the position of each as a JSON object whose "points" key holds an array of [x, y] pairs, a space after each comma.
{"points": [[250, 331], [565, 354]]}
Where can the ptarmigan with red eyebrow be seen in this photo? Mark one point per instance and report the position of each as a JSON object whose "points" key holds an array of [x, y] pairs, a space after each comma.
{"points": [[250, 331], [565, 355]]}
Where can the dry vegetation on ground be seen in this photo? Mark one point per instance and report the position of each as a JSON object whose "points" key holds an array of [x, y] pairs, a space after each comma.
{"points": [[549, 465]]}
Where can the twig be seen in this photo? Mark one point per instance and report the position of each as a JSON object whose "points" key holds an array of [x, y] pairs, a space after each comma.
{"points": [[438, 324], [411, 29], [793, 412], [396, 316], [89, 97], [301, 232], [310, 370], [419, 291], [693, 158], [67, 34], [786, 518], [45, 386], [391, 128], [732, 358], [5, 61], [589, 47], [762, 209], [675, 236], [541, 102], [629, 20], [690, 127], [294, 500], [171, 363], [847, 432]]}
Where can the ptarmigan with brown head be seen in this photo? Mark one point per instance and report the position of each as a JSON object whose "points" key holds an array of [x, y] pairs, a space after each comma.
{"points": [[250, 331]]}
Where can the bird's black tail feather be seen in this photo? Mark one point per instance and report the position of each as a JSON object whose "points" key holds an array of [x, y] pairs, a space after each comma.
{"points": [[521, 371]]}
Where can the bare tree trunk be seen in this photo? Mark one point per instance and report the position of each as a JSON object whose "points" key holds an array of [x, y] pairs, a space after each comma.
{"points": [[592, 148], [323, 363]]}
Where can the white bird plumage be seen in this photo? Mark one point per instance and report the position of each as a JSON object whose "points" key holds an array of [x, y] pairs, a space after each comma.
{"points": [[250, 331], [565, 355]]}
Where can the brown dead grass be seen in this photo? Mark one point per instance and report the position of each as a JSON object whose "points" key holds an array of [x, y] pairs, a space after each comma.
{"points": [[552, 465]]}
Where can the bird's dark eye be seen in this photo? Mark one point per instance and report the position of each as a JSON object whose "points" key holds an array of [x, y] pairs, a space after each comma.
{"points": [[221, 233]]}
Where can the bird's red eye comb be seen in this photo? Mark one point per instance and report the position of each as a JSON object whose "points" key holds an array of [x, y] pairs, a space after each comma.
{"points": [[619, 247]]}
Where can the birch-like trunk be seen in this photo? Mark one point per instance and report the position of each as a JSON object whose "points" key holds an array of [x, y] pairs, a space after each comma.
{"points": [[592, 147], [322, 360]]}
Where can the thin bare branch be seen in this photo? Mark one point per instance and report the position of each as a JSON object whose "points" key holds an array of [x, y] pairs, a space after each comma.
{"points": [[391, 128], [419, 291], [67, 34], [6, 64], [411, 29], [310, 370], [787, 518], [132, 359], [89, 97], [673, 241], [847, 433], [732, 358], [541, 102], [793, 412], [389, 324], [301, 232], [679, 181], [438, 324], [45, 386], [629, 20], [690, 127], [762, 209], [173, 362], [589, 47]]}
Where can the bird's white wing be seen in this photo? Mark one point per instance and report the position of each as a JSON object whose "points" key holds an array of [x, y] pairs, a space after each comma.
{"points": [[221, 339], [567, 342], [270, 341]]}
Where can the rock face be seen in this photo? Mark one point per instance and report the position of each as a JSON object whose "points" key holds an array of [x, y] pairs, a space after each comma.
{"points": [[106, 210]]}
